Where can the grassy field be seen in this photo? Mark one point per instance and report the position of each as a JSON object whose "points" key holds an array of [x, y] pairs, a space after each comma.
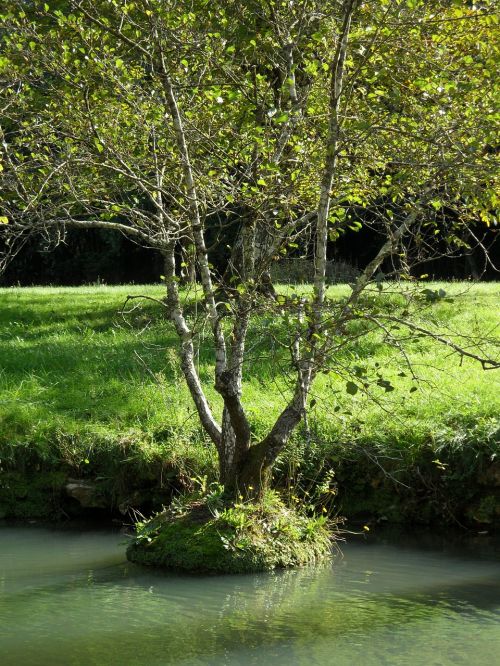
{"points": [[84, 389]]}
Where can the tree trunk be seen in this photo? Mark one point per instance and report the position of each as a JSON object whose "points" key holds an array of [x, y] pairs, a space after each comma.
{"points": [[249, 475], [255, 471], [251, 468]]}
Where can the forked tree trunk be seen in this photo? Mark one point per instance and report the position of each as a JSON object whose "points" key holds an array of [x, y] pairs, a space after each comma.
{"points": [[251, 471], [245, 468], [250, 476]]}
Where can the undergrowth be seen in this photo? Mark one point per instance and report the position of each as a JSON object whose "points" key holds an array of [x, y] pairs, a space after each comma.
{"points": [[206, 534]]}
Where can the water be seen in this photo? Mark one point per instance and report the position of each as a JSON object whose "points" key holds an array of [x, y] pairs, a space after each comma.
{"points": [[69, 598]]}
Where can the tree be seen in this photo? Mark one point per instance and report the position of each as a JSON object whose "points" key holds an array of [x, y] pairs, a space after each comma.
{"points": [[281, 118]]}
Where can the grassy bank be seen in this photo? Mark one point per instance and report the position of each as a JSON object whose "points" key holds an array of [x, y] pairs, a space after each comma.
{"points": [[89, 394]]}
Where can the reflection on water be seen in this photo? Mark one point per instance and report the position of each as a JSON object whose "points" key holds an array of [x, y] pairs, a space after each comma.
{"points": [[69, 598]]}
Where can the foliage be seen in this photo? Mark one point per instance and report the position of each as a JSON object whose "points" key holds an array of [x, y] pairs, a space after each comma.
{"points": [[90, 114]]}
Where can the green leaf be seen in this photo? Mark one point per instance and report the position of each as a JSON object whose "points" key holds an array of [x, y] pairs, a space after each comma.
{"points": [[351, 388], [355, 226], [281, 118]]}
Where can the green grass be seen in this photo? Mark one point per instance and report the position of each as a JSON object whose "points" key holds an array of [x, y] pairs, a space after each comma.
{"points": [[82, 385], [72, 371]]}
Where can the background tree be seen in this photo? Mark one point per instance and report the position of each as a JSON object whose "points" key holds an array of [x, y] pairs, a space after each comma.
{"points": [[281, 118]]}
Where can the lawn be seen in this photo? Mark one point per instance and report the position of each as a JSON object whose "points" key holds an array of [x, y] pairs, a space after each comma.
{"points": [[82, 384]]}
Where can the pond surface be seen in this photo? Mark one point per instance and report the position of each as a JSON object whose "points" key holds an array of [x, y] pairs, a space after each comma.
{"points": [[69, 598]]}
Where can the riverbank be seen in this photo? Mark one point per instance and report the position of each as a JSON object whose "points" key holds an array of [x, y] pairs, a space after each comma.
{"points": [[94, 416]]}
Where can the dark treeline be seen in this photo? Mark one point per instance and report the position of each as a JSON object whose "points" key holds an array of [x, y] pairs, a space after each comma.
{"points": [[86, 256], [91, 256]]}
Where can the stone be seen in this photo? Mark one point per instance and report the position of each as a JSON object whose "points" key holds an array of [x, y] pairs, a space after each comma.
{"points": [[86, 493]]}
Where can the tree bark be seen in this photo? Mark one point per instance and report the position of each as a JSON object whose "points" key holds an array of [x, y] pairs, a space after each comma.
{"points": [[236, 434], [187, 352], [332, 147]]}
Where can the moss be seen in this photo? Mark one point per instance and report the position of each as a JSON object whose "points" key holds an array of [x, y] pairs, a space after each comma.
{"points": [[35, 495], [242, 537]]}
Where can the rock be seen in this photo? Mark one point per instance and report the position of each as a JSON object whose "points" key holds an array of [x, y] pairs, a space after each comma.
{"points": [[86, 493]]}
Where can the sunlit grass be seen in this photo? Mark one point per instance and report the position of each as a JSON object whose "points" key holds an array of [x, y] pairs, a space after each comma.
{"points": [[76, 375]]}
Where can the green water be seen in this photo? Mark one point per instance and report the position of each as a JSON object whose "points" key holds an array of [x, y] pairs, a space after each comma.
{"points": [[69, 598]]}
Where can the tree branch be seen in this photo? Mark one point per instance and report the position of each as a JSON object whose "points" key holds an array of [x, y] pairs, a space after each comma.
{"points": [[486, 363]]}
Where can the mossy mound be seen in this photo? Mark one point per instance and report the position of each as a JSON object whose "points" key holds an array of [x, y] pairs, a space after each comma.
{"points": [[236, 538]]}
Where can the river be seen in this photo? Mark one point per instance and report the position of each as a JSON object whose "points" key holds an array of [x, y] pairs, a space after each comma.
{"points": [[69, 598]]}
